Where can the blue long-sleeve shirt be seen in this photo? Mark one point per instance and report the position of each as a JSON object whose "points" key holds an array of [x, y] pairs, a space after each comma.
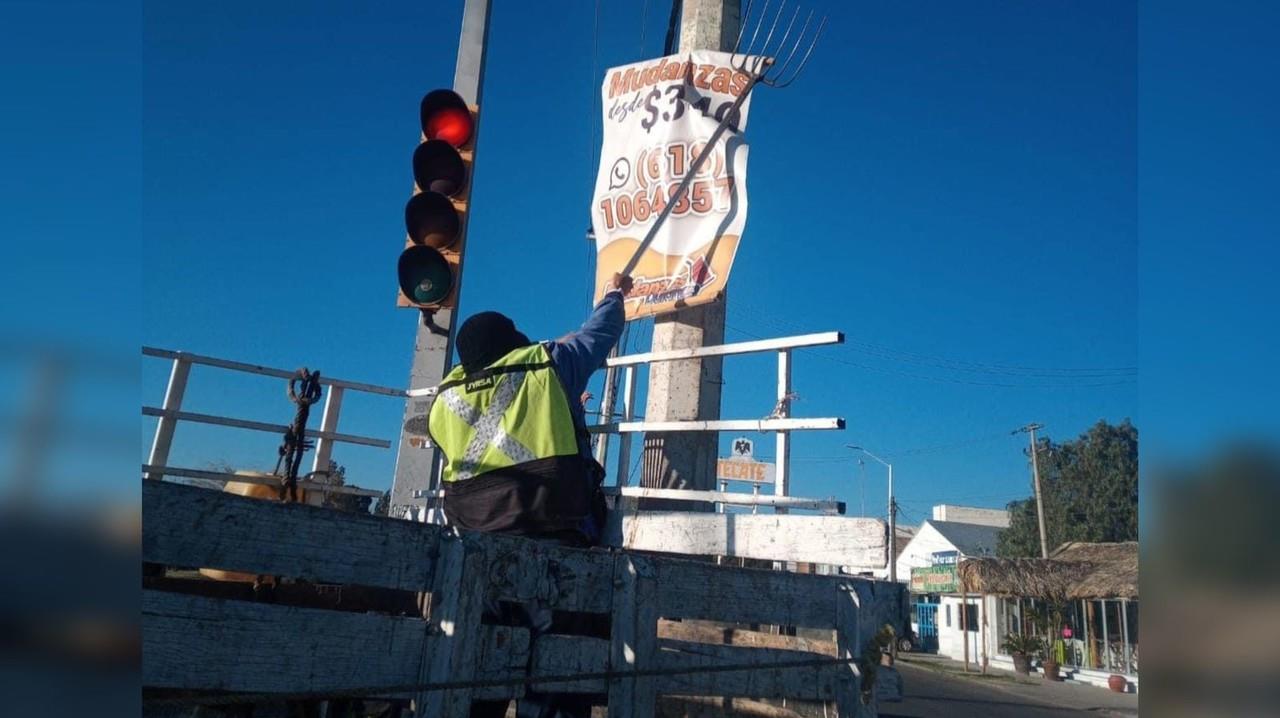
{"points": [[577, 356]]}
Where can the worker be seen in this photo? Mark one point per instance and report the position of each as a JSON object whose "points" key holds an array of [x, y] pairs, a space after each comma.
{"points": [[517, 453], [511, 425]]}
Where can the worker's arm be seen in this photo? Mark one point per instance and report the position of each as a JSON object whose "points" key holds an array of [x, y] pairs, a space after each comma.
{"points": [[580, 354]]}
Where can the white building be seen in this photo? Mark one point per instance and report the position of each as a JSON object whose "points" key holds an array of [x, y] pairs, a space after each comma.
{"points": [[953, 534]]}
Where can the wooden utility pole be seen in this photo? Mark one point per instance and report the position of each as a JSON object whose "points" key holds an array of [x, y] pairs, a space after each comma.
{"points": [[689, 390], [1035, 476]]}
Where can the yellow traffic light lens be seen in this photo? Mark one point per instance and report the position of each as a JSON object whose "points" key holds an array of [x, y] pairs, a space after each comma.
{"points": [[425, 276], [437, 167], [431, 220]]}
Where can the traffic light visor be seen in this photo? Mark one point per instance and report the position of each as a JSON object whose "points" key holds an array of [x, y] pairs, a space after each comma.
{"points": [[446, 117], [431, 220], [438, 167], [425, 276]]}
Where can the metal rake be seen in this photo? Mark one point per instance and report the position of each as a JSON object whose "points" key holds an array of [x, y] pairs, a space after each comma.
{"points": [[761, 67], [762, 63]]}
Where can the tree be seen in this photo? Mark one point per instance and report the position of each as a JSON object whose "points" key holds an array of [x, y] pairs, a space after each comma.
{"points": [[1090, 491]]}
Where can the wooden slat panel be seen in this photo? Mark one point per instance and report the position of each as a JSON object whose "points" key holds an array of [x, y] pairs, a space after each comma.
{"points": [[741, 595], [564, 579], [457, 604], [190, 526], [633, 644], [835, 540], [200, 643], [557, 655], [849, 645], [811, 683], [213, 644], [700, 632]]}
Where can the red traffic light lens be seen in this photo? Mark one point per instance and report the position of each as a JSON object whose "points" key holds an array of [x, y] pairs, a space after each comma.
{"points": [[446, 117], [451, 125]]}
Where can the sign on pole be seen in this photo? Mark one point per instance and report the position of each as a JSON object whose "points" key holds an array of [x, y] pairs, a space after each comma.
{"points": [[658, 116], [757, 472]]}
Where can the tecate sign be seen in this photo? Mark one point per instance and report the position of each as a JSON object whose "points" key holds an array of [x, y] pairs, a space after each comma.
{"points": [[757, 472]]}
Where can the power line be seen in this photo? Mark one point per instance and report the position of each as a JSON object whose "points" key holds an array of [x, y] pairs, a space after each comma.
{"points": [[1065, 384], [760, 314], [644, 17]]}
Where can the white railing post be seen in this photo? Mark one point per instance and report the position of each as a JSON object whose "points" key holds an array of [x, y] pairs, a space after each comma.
{"points": [[328, 423], [782, 450], [628, 414], [169, 420]]}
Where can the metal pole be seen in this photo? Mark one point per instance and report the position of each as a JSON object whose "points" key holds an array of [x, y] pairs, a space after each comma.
{"points": [[328, 422], [417, 461], [782, 447], [1106, 639], [892, 567], [1124, 633], [862, 489], [172, 404], [893, 530], [1035, 475], [607, 403], [628, 413]]}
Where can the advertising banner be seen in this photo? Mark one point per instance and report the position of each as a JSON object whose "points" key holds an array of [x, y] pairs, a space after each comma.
{"points": [[658, 116], [935, 579]]}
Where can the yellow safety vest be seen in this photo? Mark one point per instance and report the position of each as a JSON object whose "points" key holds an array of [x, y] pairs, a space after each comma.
{"points": [[511, 412]]}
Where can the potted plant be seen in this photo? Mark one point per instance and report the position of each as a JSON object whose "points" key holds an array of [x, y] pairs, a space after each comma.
{"points": [[1049, 619], [1021, 648]]}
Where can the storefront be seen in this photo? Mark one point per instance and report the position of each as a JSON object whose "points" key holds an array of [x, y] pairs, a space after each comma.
{"points": [[1085, 594]]}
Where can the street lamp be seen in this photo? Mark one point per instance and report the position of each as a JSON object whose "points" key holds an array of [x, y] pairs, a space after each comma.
{"points": [[893, 514], [893, 535]]}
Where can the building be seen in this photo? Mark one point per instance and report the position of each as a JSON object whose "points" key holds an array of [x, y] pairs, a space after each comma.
{"points": [[929, 562], [1095, 586]]}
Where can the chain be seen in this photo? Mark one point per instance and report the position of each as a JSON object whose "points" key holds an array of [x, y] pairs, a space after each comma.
{"points": [[304, 390]]}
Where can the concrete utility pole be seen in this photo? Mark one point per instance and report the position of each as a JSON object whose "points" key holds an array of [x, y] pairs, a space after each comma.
{"points": [[1035, 475], [688, 390], [417, 462]]}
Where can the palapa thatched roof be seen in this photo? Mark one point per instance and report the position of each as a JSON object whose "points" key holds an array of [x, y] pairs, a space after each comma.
{"points": [[1116, 568], [1075, 571]]}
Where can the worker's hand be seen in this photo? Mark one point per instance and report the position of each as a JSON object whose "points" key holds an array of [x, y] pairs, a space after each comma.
{"points": [[621, 282]]}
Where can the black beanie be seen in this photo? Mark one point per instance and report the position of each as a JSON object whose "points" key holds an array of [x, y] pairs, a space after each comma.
{"points": [[485, 338]]}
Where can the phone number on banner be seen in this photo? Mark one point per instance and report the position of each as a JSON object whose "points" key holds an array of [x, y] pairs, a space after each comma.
{"points": [[704, 197]]}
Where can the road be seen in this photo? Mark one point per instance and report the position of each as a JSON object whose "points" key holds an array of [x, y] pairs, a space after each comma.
{"points": [[931, 687]]}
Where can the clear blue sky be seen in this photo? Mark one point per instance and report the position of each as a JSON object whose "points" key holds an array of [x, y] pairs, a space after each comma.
{"points": [[953, 185]]}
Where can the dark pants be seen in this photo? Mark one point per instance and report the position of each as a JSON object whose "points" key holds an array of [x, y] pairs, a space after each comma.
{"points": [[541, 621]]}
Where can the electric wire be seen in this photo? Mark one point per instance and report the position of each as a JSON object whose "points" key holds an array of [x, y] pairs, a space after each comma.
{"points": [[1066, 383]]}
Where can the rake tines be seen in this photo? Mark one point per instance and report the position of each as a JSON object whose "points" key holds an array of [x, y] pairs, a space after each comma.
{"points": [[762, 62]]}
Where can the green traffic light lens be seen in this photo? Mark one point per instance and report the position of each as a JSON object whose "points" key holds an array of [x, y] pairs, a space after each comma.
{"points": [[425, 276]]}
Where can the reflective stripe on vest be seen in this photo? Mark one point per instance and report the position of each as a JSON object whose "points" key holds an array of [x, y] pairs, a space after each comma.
{"points": [[514, 411]]}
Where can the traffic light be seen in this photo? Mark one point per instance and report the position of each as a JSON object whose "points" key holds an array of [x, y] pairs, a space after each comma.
{"points": [[435, 216]]}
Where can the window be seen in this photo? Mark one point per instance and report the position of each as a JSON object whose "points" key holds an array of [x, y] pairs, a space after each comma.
{"points": [[968, 616], [948, 615]]}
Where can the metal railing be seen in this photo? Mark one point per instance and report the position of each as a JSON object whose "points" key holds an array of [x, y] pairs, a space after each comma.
{"points": [[171, 412], [779, 421]]}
